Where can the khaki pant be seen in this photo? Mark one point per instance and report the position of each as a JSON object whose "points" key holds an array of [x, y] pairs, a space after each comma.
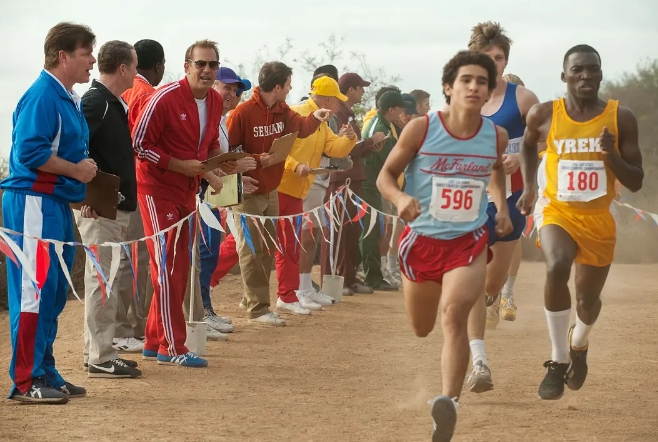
{"points": [[197, 311], [100, 315], [133, 307], [256, 268]]}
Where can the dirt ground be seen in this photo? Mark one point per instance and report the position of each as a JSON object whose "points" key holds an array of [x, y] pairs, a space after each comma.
{"points": [[355, 372]]}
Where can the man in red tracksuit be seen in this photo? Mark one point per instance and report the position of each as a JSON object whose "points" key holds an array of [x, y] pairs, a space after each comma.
{"points": [[254, 125], [177, 130]]}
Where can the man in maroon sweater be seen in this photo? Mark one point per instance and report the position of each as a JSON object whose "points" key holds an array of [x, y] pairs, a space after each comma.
{"points": [[351, 85], [254, 125]]}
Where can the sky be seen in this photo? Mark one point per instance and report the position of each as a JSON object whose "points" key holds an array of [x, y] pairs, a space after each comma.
{"points": [[410, 40]]}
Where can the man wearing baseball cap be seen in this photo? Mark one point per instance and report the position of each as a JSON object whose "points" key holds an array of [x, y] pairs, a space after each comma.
{"points": [[410, 110], [226, 84], [305, 155], [389, 107], [352, 86]]}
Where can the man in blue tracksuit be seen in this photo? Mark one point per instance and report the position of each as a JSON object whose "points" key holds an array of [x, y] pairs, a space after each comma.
{"points": [[48, 169]]}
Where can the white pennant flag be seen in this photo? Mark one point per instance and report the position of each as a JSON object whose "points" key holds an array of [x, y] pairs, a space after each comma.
{"points": [[263, 221], [209, 218], [321, 224], [59, 249], [230, 223], [373, 220], [114, 266], [27, 266]]}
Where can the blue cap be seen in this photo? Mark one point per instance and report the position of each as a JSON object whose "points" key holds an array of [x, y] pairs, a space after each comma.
{"points": [[247, 85], [228, 76], [409, 104]]}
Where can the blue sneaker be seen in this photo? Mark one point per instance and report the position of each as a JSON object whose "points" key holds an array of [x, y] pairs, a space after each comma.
{"points": [[149, 354], [189, 359]]}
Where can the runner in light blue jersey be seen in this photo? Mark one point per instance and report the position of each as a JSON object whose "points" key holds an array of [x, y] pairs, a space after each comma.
{"points": [[448, 160]]}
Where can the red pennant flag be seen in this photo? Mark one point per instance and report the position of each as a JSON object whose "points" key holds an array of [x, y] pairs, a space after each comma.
{"points": [[4, 248], [43, 263], [94, 250]]}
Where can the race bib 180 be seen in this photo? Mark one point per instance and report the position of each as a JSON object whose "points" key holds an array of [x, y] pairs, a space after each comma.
{"points": [[581, 181], [456, 199]]}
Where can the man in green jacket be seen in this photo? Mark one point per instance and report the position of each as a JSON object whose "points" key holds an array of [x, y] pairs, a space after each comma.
{"points": [[389, 107]]}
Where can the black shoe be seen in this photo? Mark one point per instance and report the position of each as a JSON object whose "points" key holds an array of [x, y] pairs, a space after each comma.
{"points": [[116, 368], [552, 387], [129, 363], [444, 414], [385, 287], [72, 390], [40, 393], [577, 372]]}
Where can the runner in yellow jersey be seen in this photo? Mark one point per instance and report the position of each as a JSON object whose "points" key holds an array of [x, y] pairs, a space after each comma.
{"points": [[589, 144]]}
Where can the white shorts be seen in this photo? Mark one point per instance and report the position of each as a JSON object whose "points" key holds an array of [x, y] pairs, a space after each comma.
{"points": [[313, 200]]}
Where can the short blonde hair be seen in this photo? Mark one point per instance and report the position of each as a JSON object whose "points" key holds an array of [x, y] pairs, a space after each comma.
{"points": [[511, 78], [488, 34]]}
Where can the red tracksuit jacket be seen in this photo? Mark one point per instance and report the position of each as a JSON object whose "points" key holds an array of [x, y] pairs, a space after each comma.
{"points": [[168, 127]]}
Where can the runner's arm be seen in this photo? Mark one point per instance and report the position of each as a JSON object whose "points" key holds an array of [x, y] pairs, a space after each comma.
{"points": [[529, 153], [497, 187], [404, 151], [627, 165], [526, 99]]}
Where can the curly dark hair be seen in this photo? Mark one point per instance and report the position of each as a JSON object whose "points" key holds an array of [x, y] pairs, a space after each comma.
{"points": [[468, 58]]}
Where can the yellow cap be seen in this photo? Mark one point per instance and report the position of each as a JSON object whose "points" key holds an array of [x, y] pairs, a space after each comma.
{"points": [[327, 87]]}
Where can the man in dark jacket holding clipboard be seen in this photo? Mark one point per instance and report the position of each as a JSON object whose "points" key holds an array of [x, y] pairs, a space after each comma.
{"points": [[110, 145]]}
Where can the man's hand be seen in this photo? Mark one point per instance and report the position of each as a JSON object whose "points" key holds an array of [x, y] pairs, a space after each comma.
{"points": [[215, 183], [510, 163], [377, 141], [88, 212], [408, 208], [348, 131], [302, 170], [503, 224], [228, 167], [266, 160], [249, 185], [526, 201], [191, 168], [322, 114], [245, 164], [607, 142], [85, 170]]}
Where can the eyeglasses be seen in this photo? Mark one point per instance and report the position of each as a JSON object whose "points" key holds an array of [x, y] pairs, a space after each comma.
{"points": [[201, 64]]}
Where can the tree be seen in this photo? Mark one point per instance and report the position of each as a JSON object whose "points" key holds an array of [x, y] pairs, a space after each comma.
{"points": [[4, 168], [331, 51]]}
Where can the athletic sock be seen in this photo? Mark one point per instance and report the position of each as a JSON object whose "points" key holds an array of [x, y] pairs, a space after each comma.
{"points": [[558, 329], [383, 260], [508, 288], [477, 351], [392, 262], [305, 282], [580, 334]]}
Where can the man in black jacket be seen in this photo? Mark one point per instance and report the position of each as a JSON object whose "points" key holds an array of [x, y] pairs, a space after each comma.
{"points": [[110, 145]]}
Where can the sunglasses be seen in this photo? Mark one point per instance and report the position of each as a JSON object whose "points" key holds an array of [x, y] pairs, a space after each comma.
{"points": [[201, 64]]}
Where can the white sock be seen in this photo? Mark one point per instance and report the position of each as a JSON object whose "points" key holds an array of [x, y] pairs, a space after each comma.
{"points": [[383, 259], [558, 329], [477, 351], [580, 334], [508, 288], [392, 261], [305, 282]]}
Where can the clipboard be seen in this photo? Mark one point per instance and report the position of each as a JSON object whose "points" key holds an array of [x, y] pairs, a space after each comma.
{"points": [[325, 170], [231, 193], [102, 195], [214, 162], [281, 147]]}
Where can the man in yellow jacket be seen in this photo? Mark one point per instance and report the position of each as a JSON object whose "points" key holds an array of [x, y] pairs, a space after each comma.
{"points": [[295, 293]]}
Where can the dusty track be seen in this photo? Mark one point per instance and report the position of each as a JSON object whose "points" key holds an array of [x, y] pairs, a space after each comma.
{"points": [[355, 372]]}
